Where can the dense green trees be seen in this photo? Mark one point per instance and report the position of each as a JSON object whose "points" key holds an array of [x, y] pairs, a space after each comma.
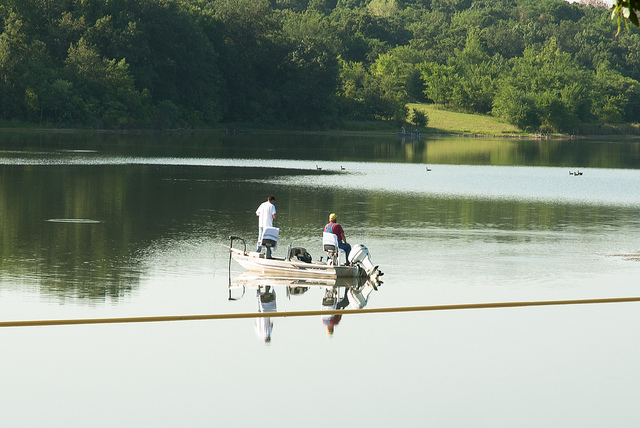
{"points": [[541, 65]]}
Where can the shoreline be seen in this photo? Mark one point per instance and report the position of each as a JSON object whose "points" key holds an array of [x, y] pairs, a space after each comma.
{"points": [[238, 132]]}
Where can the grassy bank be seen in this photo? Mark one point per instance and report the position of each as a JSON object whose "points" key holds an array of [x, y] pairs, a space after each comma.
{"points": [[441, 122], [449, 122]]}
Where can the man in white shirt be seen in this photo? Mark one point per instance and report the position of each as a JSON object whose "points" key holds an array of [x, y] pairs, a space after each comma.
{"points": [[266, 212]]}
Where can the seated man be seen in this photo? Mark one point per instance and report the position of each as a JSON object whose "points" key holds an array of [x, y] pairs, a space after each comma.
{"points": [[336, 229]]}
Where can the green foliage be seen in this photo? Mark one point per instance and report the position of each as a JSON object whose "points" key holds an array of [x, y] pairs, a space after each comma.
{"points": [[439, 81], [364, 96], [311, 68], [478, 74], [625, 11], [467, 82], [517, 107], [253, 52], [544, 65], [419, 118], [106, 87], [616, 98]]}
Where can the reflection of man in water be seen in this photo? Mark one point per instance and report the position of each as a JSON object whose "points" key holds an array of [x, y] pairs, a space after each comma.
{"points": [[353, 298], [330, 302], [266, 303]]}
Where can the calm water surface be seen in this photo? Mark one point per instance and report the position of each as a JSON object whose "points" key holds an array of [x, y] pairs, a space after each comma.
{"points": [[97, 226]]}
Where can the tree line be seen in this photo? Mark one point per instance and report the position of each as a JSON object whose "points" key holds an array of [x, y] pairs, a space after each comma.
{"points": [[543, 65]]}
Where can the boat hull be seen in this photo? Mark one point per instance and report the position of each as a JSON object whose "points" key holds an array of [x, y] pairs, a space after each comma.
{"points": [[296, 268]]}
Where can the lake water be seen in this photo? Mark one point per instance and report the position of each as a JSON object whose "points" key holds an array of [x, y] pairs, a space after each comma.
{"points": [[109, 225]]}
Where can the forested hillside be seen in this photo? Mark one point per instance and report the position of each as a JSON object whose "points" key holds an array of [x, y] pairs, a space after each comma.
{"points": [[543, 65]]}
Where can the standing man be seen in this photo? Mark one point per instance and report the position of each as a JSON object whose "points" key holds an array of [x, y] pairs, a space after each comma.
{"points": [[336, 229], [266, 212]]}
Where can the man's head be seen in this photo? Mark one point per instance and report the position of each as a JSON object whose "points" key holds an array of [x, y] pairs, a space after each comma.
{"points": [[271, 198], [332, 217]]}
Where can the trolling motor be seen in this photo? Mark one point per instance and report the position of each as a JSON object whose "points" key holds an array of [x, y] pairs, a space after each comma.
{"points": [[360, 254]]}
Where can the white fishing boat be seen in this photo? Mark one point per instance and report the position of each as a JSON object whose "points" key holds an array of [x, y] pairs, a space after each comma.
{"points": [[298, 263]]}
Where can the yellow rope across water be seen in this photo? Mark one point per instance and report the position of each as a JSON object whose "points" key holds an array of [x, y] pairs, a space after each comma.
{"points": [[34, 323]]}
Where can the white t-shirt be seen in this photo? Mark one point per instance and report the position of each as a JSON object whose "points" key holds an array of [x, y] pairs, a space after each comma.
{"points": [[266, 211]]}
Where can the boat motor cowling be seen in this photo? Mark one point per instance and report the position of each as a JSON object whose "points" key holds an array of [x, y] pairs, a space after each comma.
{"points": [[360, 254]]}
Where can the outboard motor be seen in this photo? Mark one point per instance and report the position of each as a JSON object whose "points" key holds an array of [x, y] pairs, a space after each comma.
{"points": [[359, 297], [360, 254]]}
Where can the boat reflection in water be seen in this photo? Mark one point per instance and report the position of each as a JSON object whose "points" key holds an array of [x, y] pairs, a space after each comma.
{"points": [[339, 293]]}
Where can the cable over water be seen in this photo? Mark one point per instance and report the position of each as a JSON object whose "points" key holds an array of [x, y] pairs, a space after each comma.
{"points": [[285, 314]]}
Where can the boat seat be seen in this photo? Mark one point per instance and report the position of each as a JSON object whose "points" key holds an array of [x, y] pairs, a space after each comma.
{"points": [[331, 248], [270, 237]]}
